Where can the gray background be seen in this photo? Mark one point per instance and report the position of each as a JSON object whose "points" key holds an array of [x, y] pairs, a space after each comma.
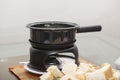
{"points": [[97, 47]]}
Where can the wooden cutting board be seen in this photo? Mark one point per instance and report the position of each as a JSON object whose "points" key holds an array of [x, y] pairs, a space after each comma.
{"points": [[22, 74]]}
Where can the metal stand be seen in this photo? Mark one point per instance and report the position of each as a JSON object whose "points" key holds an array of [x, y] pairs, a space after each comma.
{"points": [[42, 59]]}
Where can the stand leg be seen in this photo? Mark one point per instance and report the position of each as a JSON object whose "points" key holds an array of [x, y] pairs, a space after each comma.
{"points": [[75, 51]]}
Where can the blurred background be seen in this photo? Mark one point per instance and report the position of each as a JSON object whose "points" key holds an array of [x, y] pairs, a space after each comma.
{"points": [[16, 14]]}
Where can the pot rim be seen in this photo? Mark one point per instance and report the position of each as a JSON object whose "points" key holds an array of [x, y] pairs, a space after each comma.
{"points": [[70, 25]]}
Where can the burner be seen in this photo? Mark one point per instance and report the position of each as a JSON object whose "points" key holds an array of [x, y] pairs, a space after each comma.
{"points": [[42, 59]]}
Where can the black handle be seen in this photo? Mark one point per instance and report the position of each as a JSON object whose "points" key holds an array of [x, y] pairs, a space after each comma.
{"points": [[93, 28]]}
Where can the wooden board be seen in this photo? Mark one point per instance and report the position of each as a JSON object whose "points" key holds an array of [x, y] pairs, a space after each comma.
{"points": [[22, 74]]}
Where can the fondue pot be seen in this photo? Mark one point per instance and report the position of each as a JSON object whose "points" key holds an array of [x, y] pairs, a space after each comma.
{"points": [[53, 43], [56, 34]]}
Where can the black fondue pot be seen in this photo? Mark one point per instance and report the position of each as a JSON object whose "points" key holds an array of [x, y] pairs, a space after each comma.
{"points": [[56, 34]]}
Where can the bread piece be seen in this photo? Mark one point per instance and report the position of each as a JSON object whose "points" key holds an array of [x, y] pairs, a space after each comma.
{"points": [[96, 75], [80, 75], [113, 78], [55, 71], [117, 75], [107, 69], [84, 67], [69, 68], [69, 76], [47, 76], [104, 73]]}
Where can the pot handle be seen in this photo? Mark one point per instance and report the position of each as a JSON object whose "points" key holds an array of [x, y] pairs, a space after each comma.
{"points": [[93, 28]]}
